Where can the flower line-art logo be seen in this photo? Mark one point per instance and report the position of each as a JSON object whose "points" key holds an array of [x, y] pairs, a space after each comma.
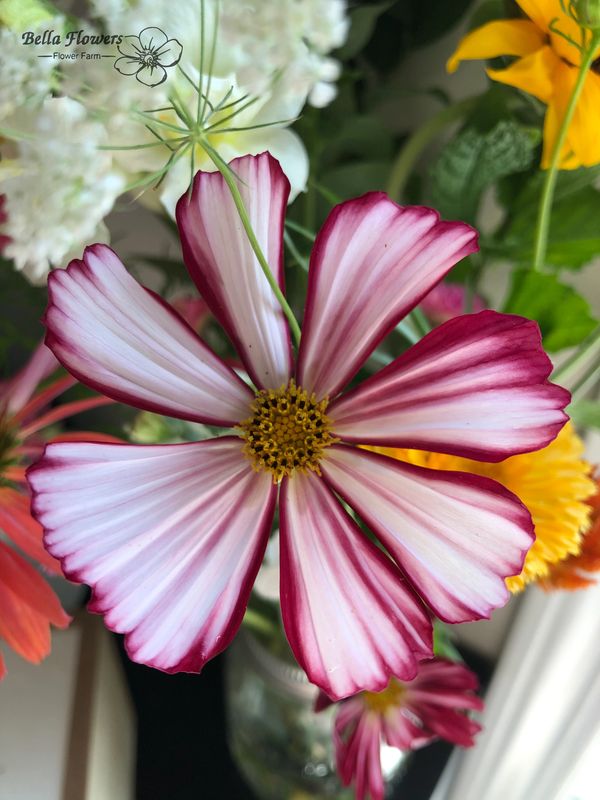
{"points": [[148, 56]]}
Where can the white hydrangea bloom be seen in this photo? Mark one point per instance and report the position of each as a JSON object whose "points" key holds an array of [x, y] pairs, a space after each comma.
{"points": [[58, 189], [25, 79]]}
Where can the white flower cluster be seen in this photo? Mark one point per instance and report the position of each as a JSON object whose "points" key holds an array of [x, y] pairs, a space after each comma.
{"points": [[26, 79], [58, 186]]}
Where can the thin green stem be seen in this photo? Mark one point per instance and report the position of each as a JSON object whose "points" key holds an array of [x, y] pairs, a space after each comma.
{"points": [[257, 622], [543, 221], [230, 180], [296, 254], [295, 226], [574, 362], [582, 384], [418, 141]]}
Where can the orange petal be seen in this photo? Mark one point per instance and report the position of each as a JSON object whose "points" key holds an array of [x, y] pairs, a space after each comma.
{"points": [[29, 587], [25, 631], [584, 133], [18, 524], [517, 37], [533, 74], [564, 81]]}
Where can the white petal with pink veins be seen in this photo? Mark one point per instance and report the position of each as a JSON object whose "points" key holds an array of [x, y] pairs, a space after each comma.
{"points": [[120, 339], [223, 265], [350, 617], [455, 536], [169, 537], [475, 387], [371, 264]]}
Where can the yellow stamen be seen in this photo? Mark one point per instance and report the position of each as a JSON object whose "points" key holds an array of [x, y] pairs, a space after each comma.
{"points": [[388, 698], [288, 431]]}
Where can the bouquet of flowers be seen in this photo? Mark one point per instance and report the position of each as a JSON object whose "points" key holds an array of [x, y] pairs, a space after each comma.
{"points": [[332, 396]]}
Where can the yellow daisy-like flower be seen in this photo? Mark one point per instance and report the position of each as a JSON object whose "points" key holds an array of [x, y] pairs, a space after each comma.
{"points": [[546, 67], [553, 483]]}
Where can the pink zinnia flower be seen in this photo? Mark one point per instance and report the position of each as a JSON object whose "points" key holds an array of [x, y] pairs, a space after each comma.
{"points": [[405, 715], [27, 603], [171, 537]]}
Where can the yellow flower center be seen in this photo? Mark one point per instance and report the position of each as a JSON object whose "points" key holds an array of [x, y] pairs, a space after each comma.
{"points": [[288, 430], [388, 698]]}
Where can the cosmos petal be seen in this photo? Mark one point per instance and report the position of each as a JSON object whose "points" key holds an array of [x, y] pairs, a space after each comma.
{"points": [[455, 536], [348, 614], [476, 386], [372, 262], [123, 341], [223, 265], [169, 537]]}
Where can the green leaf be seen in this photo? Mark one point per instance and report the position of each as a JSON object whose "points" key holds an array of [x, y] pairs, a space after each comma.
{"points": [[585, 413], [563, 315], [362, 24], [473, 161], [574, 236]]}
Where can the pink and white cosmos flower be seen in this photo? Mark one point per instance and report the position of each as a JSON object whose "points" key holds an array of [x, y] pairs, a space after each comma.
{"points": [[171, 537], [405, 715]]}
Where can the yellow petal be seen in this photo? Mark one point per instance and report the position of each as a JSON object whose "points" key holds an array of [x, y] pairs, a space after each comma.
{"points": [[516, 37], [542, 12], [549, 12], [584, 133], [564, 81], [533, 74]]}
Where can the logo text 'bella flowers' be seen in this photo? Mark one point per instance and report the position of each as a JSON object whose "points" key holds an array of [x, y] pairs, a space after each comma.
{"points": [[69, 39]]}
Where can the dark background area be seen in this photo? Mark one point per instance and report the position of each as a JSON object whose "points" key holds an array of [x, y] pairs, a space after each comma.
{"points": [[182, 749]]}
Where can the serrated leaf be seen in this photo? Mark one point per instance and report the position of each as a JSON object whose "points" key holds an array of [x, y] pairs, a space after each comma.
{"points": [[473, 161], [585, 413], [563, 315], [574, 233]]}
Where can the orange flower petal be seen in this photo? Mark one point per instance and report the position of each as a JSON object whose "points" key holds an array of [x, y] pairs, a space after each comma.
{"points": [[533, 74], [25, 631], [29, 587], [18, 524], [517, 37], [584, 133], [564, 81]]}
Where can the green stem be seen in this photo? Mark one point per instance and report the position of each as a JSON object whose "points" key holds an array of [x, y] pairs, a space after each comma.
{"points": [[418, 141], [230, 180], [573, 363], [257, 622], [543, 220]]}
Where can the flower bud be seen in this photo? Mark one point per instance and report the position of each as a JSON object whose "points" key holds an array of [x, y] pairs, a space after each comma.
{"points": [[588, 13]]}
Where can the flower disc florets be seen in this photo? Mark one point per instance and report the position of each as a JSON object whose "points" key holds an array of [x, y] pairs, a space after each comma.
{"points": [[288, 430], [391, 697]]}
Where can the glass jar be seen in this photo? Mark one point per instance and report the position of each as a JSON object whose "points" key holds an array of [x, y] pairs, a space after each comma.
{"points": [[282, 747]]}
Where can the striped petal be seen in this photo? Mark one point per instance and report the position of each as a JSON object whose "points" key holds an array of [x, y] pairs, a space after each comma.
{"points": [[169, 537], [371, 264], [476, 386], [349, 616], [456, 536], [120, 339], [222, 263]]}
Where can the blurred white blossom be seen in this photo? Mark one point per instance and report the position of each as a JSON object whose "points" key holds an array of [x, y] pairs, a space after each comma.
{"points": [[58, 187], [25, 79]]}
